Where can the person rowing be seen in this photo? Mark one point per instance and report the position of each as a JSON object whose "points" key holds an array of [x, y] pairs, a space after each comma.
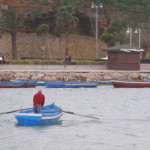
{"points": [[38, 101]]}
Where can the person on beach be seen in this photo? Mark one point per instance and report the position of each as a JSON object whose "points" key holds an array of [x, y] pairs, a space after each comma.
{"points": [[69, 59], [1, 59], [66, 59], [38, 101]]}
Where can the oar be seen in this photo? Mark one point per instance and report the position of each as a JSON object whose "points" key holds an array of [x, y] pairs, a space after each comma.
{"points": [[69, 112], [8, 112], [72, 113]]}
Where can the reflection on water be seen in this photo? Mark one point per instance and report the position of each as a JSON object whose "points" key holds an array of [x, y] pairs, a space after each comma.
{"points": [[124, 120]]}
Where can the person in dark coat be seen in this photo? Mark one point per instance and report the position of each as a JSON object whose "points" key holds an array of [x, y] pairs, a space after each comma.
{"points": [[69, 59], [38, 101]]}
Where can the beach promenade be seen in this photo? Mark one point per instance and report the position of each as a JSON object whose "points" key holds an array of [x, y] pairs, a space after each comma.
{"points": [[67, 68]]}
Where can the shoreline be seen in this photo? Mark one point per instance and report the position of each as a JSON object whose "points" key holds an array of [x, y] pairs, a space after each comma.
{"points": [[70, 76]]}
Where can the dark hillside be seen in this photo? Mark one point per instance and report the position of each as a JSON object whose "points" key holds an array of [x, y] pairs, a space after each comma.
{"points": [[37, 12]]}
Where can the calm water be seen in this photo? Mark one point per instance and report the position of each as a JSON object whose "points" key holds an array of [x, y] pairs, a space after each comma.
{"points": [[124, 120]]}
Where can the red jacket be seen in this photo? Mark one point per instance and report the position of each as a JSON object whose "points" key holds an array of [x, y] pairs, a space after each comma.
{"points": [[39, 99]]}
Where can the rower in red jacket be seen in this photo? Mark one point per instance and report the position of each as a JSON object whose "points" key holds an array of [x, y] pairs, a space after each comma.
{"points": [[38, 101]]}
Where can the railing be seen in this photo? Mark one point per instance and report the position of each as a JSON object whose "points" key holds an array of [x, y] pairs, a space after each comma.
{"points": [[52, 67], [84, 68]]}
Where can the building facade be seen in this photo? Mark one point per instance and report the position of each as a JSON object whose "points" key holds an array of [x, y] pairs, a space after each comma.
{"points": [[123, 57]]}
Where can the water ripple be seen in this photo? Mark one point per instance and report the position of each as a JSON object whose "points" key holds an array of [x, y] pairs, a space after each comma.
{"points": [[124, 120]]}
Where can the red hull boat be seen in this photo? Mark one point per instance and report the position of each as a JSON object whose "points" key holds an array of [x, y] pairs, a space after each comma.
{"points": [[127, 83], [10, 84]]}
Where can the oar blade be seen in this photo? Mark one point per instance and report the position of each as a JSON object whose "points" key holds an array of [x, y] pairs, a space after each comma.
{"points": [[88, 116]]}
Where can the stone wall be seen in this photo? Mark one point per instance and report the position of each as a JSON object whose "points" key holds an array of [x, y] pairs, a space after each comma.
{"points": [[5, 76], [29, 45]]}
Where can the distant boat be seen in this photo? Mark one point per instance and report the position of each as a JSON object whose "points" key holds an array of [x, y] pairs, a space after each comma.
{"points": [[108, 82], [130, 83], [105, 82], [49, 114], [17, 80], [43, 82], [10, 84], [67, 84], [40, 83], [146, 79], [104, 58]]}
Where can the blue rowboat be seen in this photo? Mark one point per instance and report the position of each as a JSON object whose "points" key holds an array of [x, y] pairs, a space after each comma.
{"points": [[49, 114], [73, 84], [76, 84], [42, 83], [54, 84], [10, 84]]}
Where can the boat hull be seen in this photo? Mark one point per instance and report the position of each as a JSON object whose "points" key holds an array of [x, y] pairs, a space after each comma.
{"points": [[50, 120], [70, 85], [10, 84], [132, 84], [28, 119], [53, 84], [49, 114], [40, 83]]}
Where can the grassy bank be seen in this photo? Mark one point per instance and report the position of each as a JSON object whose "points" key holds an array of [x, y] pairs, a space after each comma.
{"points": [[57, 62], [39, 61]]}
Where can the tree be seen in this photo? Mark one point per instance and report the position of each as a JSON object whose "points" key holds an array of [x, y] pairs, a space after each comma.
{"points": [[10, 23], [42, 30], [65, 19], [115, 32], [145, 44]]}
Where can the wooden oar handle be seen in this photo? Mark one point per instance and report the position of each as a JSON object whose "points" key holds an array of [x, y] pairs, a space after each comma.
{"points": [[69, 112], [8, 112]]}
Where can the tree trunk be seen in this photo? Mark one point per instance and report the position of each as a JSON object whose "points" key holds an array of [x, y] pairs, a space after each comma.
{"points": [[145, 47], [67, 33], [117, 43], [50, 56], [14, 47]]}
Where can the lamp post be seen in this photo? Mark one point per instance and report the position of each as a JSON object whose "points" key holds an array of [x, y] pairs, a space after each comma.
{"points": [[96, 25], [43, 50], [138, 31], [129, 31]]}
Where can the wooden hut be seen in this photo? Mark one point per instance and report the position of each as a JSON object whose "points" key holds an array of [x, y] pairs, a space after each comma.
{"points": [[123, 57]]}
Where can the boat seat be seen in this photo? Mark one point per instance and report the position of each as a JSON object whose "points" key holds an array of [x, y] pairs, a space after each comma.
{"points": [[48, 111]]}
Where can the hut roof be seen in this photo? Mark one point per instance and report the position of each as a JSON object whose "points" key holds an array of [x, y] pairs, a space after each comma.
{"points": [[124, 47]]}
